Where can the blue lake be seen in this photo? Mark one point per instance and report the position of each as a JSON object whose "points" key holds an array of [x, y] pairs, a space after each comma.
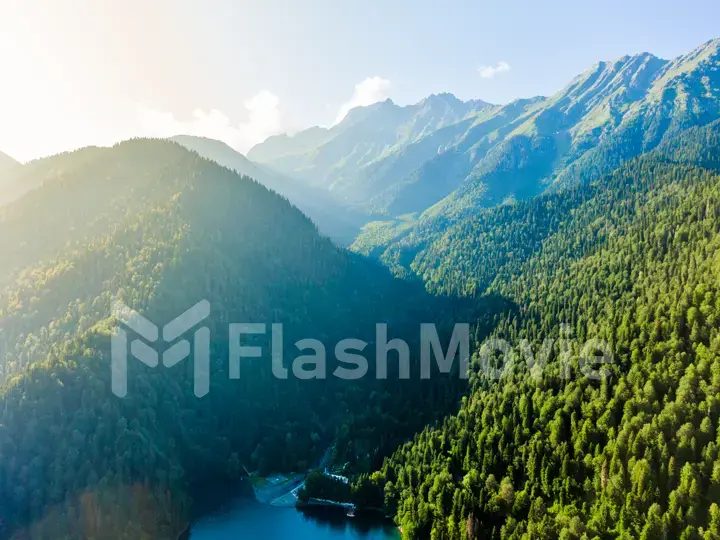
{"points": [[246, 518]]}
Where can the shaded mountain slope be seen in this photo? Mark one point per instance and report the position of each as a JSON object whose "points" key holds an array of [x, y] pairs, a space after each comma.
{"points": [[331, 217], [159, 228]]}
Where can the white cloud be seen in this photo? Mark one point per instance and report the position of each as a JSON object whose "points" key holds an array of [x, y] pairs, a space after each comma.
{"points": [[488, 72], [264, 118], [367, 92]]}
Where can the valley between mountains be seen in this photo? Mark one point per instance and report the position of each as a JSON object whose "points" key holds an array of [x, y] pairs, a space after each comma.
{"points": [[591, 215]]}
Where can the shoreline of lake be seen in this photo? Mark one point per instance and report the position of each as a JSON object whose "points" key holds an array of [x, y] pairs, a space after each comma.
{"points": [[245, 517]]}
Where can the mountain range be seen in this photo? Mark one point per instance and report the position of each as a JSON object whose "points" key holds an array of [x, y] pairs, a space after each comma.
{"points": [[394, 169], [442, 158], [364, 158], [582, 229]]}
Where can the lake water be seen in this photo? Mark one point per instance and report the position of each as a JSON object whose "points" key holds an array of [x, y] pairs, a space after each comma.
{"points": [[245, 518]]}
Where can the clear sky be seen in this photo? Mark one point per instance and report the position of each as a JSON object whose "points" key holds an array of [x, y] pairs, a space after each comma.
{"points": [[79, 72]]}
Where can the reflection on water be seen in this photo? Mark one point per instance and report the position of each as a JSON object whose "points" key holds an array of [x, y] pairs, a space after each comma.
{"points": [[245, 518]]}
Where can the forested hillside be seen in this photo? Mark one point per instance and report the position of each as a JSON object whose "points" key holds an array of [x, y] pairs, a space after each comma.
{"points": [[590, 216], [160, 228], [633, 259], [326, 211]]}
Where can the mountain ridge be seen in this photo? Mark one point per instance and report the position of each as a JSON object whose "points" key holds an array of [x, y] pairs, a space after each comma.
{"points": [[389, 161], [332, 220], [344, 159], [612, 112]]}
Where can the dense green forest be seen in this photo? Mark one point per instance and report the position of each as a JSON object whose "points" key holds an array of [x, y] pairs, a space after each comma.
{"points": [[592, 215], [160, 228], [632, 258]]}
